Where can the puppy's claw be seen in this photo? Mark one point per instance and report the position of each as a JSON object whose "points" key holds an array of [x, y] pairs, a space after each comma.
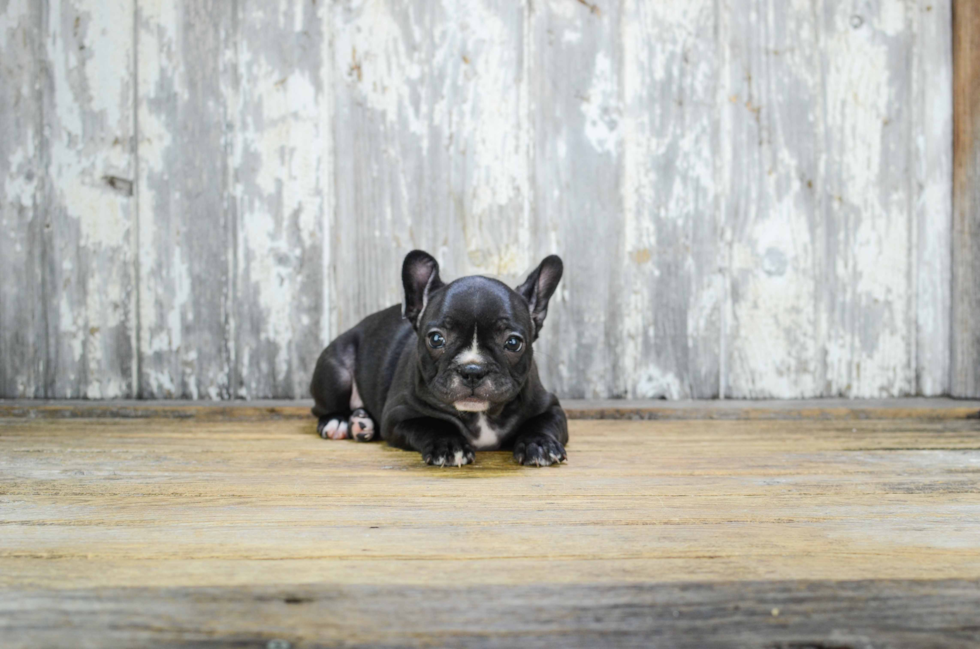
{"points": [[449, 453], [539, 451]]}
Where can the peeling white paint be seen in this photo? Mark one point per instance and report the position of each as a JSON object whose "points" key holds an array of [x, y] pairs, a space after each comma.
{"points": [[668, 194], [282, 142], [374, 50], [602, 107], [486, 136], [772, 332], [653, 384], [739, 186], [18, 188], [872, 353], [90, 128]]}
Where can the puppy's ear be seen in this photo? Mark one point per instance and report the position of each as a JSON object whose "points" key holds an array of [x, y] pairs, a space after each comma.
{"points": [[420, 276], [538, 288]]}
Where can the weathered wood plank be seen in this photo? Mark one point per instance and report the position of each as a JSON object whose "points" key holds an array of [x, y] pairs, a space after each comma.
{"points": [[262, 410], [818, 614], [772, 98], [965, 351], [187, 112], [89, 288], [100, 503], [931, 135], [283, 187], [159, 531], [490, 133], [430, 147], [867, 202], [575, 86], [672, 286], [484, 89], [23, 343]]}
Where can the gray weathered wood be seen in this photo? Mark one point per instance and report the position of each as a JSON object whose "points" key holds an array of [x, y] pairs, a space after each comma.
{"points": [[23, 343], [867, 204], [771, 108], [575, 80], [752, 198], [283, 186], [751, 614], [89, 271], [932, 182], [187, 109], [965, 358], [228, 530], [673, 283], [430, 145], [932, 408]]}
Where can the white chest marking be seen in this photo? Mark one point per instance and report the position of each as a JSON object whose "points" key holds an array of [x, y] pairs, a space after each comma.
{"points": [[355, 397], [486, 436]]}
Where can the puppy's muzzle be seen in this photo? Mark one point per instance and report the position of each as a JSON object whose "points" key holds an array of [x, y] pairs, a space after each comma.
{"points": [[473, 373]]}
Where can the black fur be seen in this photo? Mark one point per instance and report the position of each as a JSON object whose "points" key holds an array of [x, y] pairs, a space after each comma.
{"points": [[411, 386]]}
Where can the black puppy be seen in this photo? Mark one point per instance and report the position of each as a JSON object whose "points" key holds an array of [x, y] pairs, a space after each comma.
{"points": [[449, 371]]}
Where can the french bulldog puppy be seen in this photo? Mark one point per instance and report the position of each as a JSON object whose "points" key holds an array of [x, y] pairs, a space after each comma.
{"points": [[449, 371]]}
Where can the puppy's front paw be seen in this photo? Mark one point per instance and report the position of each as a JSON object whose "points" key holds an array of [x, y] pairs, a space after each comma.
{"points": [[332, 427], [448, 450], [539, 450]]}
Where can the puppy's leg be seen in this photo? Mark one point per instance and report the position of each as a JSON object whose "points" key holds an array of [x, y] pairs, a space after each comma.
{"points": [[331, 388], [439, 442], [541, 440]]}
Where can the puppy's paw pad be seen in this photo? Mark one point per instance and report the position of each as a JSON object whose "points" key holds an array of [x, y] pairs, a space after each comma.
{"points": [[332, 428], [539, 451], [361, 425]]}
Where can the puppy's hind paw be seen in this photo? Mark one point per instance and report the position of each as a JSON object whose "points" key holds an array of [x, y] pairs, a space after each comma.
{"points": [[361, 425], [333, 427]]}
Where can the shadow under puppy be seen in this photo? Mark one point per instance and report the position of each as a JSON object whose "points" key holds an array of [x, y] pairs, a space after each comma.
{"points": [[448, 371]]}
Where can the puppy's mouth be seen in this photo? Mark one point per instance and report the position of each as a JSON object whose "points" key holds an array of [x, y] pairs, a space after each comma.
{"points": [[472, 404]]}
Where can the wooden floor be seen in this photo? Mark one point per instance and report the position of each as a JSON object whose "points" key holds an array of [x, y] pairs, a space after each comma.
{"points": [[676, 533]]}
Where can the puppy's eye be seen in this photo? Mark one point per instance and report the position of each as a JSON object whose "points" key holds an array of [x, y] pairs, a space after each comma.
{"points": [[514, 344], [436, 340]]}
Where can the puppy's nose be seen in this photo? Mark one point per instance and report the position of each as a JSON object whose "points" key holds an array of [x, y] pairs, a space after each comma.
{"points": [[472, 373]]}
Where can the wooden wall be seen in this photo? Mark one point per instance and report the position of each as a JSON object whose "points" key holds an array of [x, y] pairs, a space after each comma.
{"points": [[753, 198], [966, 201]]}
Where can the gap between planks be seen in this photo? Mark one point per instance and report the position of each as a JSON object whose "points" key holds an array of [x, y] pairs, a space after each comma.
{"points": [[810, 409]]}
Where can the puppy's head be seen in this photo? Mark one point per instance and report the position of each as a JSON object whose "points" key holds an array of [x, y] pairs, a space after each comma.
{"points": [[475, 334]]}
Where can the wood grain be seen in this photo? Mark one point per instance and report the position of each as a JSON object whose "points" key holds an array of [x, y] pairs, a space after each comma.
{"points": [[244, 531], [140, 503], [634, 410], [966, 200], [88, 241], [430, 145], [838, 615], [771, 91], [23, 339], [867, 248], [283, 187], [752, 198], [932, 96], [577, 112], [673, 266], [187, 76]]}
